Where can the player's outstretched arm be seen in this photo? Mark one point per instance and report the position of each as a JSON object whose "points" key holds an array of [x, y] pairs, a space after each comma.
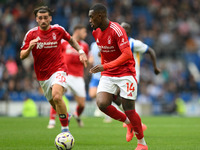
{"points": [[126, 55], [152, 53], [75, 45], [25, 53]]}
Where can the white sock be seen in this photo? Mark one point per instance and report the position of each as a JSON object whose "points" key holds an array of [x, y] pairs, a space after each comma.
{"points": [[127, 121], [142, 141], [67, 127], [52, 122]]}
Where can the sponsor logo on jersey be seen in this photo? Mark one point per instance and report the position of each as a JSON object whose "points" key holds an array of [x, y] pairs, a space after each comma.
{"points": [[106, 47], [41, 45]]}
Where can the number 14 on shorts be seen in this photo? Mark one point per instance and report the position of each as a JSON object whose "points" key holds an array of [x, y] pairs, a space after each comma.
{"points": [[130, 87]]}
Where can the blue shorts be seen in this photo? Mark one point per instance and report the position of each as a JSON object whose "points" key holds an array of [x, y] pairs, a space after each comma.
{"points": [[94, 82]]}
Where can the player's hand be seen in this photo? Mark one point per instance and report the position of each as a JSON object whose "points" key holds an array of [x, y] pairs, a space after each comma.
{"points": [[33, 43], [157, 71], [83, 59], [97, 68]]}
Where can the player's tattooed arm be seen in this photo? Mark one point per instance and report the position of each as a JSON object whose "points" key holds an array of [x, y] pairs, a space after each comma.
{"points": [[75, 45]]}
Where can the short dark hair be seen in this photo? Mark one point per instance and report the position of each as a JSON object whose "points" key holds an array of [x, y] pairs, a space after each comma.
{"points": [[99, 8], [43, 9], [79, 26]]}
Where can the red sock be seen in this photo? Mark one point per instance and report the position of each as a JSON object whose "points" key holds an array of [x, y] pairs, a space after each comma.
{"points": [[136, 122], [64, 121], [52, 113], [114, 113], [79, 110]]}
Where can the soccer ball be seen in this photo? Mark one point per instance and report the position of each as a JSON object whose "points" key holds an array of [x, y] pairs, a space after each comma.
{"points": [[64, 141]]}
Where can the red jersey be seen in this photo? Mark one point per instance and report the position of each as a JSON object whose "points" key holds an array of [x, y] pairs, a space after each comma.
{"points": [[71, 57], [111, 42], [47, 53]]}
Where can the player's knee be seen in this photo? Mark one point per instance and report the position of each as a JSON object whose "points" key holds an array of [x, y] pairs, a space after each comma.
{"points": [[102, 105], [57, 98]]}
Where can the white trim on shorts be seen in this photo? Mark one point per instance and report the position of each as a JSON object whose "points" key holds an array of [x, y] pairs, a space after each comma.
{"points": [[58, 77], [111, 84]]}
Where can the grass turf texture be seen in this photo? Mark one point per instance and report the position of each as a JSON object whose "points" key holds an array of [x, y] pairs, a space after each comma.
{"points": [[163, 133]]}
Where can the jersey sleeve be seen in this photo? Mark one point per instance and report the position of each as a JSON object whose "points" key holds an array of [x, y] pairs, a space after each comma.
{"points": [[121, 38], [26, 41], [66, 35], [139, 46]]}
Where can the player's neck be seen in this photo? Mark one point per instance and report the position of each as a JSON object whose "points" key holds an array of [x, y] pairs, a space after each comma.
{"points": [[105, 24]]}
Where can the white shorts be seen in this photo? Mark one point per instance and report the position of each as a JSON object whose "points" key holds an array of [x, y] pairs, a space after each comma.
{"points": [[58, 77], [76, 85], [126, 84]]}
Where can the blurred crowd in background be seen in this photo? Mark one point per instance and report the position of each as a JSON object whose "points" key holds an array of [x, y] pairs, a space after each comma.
{"points": [[171, 28]]}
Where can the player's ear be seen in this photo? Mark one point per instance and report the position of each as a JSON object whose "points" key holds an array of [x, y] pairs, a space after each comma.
{"points": [[50, 18], [36, 19], [100, 15]]}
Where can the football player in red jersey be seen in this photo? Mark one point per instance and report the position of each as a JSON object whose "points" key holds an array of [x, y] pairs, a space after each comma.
{"points": [[117, 72], [44, 42], [75, 80]]}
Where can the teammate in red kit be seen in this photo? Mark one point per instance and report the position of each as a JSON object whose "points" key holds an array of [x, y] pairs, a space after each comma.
{"points": [[44, 42], [117, 71], [75, 80]]}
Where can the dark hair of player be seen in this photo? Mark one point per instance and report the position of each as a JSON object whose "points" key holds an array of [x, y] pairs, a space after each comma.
{"points": [[79, 26], [99, 8], [43, 9]]}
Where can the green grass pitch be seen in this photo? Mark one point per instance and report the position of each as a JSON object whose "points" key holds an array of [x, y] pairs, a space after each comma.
{"points": [[163, 133]]}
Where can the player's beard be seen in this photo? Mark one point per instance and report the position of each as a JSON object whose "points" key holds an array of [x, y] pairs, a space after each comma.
{"points": [[44, 26]]}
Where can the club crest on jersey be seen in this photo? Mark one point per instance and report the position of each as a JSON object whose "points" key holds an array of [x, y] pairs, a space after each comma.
{"points": [[54, 36], [109, 40], [97, 40]]}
